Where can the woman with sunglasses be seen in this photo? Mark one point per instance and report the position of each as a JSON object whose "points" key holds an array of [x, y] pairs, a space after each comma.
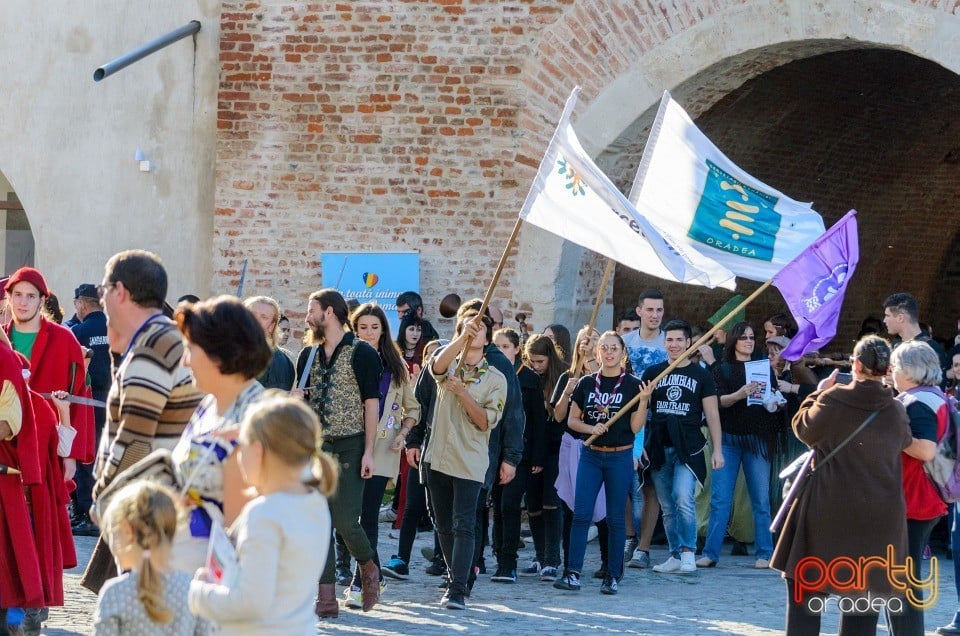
{"points": [[751, 438], [608, 462], [568, 460]]}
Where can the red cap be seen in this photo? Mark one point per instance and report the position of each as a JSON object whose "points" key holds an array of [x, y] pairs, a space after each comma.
{"points": [[28, 275]]}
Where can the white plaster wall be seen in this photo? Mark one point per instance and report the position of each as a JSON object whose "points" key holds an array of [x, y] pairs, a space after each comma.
{"points": [[67, 144], [900, 24]]}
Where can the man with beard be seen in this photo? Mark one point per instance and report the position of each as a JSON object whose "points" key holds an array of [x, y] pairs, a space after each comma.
{"points": [[340, 378]]}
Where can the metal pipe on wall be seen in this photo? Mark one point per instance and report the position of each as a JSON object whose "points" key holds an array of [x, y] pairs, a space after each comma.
{"points": [[136, 55]]}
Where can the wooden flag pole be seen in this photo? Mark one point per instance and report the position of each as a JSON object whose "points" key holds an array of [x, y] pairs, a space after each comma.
{"points": [[686, 354], [607, 272], [496, 279]]}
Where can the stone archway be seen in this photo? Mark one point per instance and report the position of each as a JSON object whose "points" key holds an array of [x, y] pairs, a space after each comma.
{"points": [[871, 129], [624, 55], [16, 237]]}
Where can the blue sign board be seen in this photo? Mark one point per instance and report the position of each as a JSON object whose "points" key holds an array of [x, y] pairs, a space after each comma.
{"points": [[373, 277]]}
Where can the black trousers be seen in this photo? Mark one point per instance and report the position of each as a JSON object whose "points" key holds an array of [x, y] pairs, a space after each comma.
{"points": [[84, 477], [802, 622], [373, 490], [413, 509], [455, 518], [910, 621], [506, 518]]}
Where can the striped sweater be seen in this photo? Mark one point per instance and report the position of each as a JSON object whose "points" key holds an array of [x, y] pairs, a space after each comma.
{"points": [[149, 404]]}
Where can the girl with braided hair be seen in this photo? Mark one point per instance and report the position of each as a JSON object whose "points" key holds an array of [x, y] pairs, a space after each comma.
{"points": [[150, 597]]}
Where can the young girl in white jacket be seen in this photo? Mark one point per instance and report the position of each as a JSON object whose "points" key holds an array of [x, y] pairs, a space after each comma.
{"points": [[278, 534]]}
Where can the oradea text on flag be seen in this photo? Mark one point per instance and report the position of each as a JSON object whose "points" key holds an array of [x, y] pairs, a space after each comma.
{"points": [[688, 187], [573, 198]]}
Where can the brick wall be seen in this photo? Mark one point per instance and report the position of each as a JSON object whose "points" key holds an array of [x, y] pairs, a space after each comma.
{"points": [[417, 125], [370, 125]]}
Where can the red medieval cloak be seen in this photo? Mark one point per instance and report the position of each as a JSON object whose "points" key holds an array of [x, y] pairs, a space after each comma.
{"points": [[51, 523], [20, 581], [56, 364]]}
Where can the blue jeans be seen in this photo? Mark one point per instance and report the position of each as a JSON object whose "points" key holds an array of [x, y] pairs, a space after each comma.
{"points": [[676, 485], [756, 470], [612, 470]]}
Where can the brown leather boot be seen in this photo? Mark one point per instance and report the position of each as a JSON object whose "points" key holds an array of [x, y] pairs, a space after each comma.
{"points": [[327, 605], [370, 584]]}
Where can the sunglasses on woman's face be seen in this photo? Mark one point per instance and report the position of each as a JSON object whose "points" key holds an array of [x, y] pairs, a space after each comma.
{"points": [[746, 337]]}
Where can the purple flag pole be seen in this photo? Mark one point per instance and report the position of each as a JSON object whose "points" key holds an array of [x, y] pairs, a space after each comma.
{"points": [[813, 285]]}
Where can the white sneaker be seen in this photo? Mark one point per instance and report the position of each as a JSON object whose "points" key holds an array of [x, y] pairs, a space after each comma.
{"points": [[668, 566], [354, 597], [688, 564]]}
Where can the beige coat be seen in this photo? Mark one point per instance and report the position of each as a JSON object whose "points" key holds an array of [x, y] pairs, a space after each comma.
{"points": [[399, 405]]}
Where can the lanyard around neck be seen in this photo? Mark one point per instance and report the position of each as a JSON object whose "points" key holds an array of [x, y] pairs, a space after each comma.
{"points": [[606, 409], [146, 323]]}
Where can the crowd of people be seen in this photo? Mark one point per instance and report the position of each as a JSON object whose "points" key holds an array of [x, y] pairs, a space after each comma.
{"points": [[233, 485]]}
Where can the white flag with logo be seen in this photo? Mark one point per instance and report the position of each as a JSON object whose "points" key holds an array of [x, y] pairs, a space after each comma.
{"points": [[689, 188], [573, 198]]}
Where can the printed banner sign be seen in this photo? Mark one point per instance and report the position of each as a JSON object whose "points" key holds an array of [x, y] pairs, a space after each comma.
{"points": [[373, 276]]}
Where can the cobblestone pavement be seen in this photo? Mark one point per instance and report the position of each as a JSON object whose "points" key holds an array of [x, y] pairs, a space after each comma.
{"points": [[732, 598]]}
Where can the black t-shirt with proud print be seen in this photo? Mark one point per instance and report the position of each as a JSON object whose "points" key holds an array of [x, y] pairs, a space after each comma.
{"points": [[600, 406]]}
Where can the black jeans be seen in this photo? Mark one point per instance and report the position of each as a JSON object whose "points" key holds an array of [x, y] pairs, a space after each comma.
{"points": [[506, 517], [413, 509], [546, 517], [455, 518], [910, 621], [373, 490], [479, 534], [346, 504], [802, 622]]}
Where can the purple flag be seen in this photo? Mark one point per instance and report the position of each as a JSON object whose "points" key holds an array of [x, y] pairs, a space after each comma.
{"points": [[813, 285]]}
